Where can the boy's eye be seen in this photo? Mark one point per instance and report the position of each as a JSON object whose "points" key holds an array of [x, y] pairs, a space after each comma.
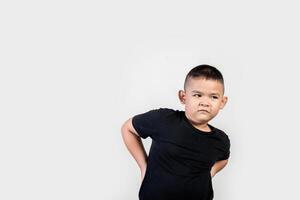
{"points": [[199, 95]]}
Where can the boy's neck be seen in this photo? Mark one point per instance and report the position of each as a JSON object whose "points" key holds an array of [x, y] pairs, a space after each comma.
{"points": [[202, 127]]}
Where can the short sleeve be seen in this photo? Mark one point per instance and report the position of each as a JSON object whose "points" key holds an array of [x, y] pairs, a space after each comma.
{"points": [[225, 150], [147, 124]]}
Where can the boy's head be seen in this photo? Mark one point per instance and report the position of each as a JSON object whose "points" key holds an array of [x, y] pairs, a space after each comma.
{"points": [[203, 94]]}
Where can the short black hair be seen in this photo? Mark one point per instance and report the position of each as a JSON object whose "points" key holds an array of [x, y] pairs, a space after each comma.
{"points": [[205, 71]]}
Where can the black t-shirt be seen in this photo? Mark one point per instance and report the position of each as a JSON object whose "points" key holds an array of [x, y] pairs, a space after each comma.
{"points": [[180, 157]]}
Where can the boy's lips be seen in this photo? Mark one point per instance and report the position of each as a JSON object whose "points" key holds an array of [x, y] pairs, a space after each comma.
{"points": [[203, 111]]}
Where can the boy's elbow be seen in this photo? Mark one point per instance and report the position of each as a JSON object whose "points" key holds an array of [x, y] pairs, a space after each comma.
{"points": [[223, 163]]}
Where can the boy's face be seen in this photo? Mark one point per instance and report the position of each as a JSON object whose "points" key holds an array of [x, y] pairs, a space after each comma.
{"points": [[202, 99]]}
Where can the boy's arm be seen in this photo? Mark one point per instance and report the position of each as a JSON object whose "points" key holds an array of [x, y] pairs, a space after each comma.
{"points": [[135, 145], [218, 166]]}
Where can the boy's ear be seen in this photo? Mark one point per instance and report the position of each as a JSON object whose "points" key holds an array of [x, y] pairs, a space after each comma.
{"points": [[224, 101], [181, 96]]}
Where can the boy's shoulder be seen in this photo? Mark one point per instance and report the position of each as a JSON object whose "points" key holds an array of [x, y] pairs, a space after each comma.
{"points": [[222, 133], [163, 113], [164, 110], [168, 112]]}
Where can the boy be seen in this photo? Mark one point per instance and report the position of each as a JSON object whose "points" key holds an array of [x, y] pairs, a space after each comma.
{"points": [[186, 151]]}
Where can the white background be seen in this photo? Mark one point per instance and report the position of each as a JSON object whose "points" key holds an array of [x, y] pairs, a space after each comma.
{"points": [[71, 72]]}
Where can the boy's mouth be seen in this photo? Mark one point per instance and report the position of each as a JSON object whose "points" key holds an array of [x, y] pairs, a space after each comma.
{"points": [[203, 111]]}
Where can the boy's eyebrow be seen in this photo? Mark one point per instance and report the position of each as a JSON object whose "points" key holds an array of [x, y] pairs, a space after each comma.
{"points": [[196, 91], [214, 93]]}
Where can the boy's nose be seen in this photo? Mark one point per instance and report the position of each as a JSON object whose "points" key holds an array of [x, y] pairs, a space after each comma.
{"points": [[204, 101], [203, 104]]}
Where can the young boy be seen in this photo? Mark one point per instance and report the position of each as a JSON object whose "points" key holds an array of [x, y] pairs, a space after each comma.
{"points": [[186, 151]]}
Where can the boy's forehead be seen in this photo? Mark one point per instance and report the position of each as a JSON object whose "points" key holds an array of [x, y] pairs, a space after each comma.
{"points": [[204, 85]]}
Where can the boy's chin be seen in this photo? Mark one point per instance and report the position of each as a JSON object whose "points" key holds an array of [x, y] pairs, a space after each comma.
{"points": [[201, 120]]}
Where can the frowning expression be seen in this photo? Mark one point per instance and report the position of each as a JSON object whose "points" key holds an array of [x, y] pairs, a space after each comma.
{"points": [[203, 98]]}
